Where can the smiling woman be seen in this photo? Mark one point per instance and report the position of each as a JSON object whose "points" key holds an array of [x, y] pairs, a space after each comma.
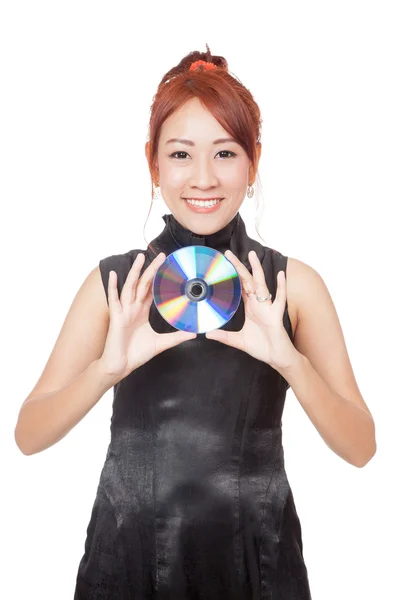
{"points": [[193, 499]]}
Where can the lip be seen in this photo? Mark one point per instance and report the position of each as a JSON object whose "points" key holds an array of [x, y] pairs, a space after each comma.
{"points": [[204, 199], [196, 208]]}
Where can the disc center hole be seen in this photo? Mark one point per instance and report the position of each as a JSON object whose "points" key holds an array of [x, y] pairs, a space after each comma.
{"points": [[196, 290]]}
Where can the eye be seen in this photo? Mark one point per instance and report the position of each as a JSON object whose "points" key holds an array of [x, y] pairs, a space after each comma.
{"points": [[178, 152], [183, 152], [227, 151]]}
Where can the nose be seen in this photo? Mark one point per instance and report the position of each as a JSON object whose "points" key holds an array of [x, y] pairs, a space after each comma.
{"points": [[203, 174]]}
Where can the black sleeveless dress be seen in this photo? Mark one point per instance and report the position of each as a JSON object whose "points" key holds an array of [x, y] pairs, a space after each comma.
{"points": [[193, 501]]}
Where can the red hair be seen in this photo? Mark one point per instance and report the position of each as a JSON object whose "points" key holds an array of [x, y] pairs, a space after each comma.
{"points": [[227, 99]]}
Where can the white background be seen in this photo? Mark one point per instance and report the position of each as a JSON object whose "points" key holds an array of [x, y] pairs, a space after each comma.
{"points": [[77, 81]]}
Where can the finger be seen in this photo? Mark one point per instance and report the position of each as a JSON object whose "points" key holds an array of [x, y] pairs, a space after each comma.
{"points": [[260, 284], [230, 338], [245, 277], [165, 341], [129, 289], [143, 289], [112, 292], [281, 294]]}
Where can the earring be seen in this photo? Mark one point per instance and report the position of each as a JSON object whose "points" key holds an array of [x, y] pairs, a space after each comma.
{"points": [[157, 192], [250, 191]]}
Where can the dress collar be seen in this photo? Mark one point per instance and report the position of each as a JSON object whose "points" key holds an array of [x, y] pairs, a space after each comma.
{"points": [[220, 240], [233, 237]]}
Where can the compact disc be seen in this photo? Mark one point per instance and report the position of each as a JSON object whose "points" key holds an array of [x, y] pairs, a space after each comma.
{"points": [[197, 289]]}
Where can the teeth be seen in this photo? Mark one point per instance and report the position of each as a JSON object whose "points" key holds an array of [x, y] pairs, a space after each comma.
{"points": [[206, 203]]}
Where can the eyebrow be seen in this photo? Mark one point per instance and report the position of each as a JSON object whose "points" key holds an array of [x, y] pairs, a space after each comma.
{"points": [[190, 143]]}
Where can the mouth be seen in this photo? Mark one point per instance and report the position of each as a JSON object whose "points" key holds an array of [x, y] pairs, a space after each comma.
{"points": [[203, 205], [206, 202]]}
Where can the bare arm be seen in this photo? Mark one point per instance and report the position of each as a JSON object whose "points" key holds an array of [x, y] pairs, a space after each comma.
{"points": [[322, 377], [45, 419], [73, 380]]}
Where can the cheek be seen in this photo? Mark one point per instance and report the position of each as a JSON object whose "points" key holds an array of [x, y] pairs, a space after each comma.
{"points": [[235, 177], [176, 178], [173, 177]]}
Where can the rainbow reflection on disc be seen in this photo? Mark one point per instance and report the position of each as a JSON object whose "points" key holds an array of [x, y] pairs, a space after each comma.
{"points": [[197, 289]]}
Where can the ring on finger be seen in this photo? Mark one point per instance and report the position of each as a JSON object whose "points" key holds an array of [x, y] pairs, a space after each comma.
{"points": [[259, 298]]}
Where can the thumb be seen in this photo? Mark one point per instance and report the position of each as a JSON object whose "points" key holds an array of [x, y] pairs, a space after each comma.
{"points": [[230, 338], [169, 340]]}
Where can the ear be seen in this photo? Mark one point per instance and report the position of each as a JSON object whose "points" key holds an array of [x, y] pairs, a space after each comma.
{"points": [[252, 170]]}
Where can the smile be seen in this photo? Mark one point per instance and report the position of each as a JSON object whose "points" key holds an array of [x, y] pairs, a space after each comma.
{"points": [[206, 203]]}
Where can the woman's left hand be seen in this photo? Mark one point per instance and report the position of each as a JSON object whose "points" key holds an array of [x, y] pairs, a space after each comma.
{"points": [[263, 335]]}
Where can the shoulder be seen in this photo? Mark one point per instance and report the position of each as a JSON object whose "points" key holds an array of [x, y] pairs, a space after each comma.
{"points": [[301, 276], [125, 258], [305, 288]]}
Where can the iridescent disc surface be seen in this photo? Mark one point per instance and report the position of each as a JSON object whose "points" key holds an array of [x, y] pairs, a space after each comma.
{"points": [[197, 289]]}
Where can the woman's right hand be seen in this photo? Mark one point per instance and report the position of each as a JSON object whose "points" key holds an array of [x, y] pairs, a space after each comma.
{"points": [[131, 341]]}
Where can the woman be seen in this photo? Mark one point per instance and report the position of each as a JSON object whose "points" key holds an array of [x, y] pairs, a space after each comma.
{"points": [[193, 499]]}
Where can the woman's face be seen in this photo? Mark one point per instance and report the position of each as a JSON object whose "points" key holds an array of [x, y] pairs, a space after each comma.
{"points": [[201, 168]]}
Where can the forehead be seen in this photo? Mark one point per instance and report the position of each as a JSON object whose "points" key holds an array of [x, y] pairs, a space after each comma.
{"points": [[192, 120]]}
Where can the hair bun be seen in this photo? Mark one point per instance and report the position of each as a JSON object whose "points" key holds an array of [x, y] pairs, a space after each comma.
{"points": [[186, 62], [189, 59]]}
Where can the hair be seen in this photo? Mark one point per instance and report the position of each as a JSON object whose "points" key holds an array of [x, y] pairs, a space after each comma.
{"points": [[227, 99]]}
